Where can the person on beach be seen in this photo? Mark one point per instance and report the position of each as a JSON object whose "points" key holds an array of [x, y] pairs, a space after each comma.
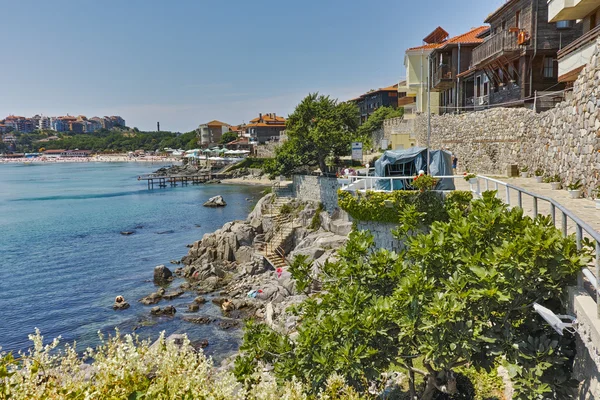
{"points": [[454, 163]]}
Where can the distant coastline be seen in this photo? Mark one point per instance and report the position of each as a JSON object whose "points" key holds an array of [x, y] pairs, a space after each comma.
{"points": [[97, 158]]}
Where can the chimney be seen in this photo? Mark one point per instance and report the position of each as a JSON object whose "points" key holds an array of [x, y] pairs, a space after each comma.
{"points": [[260, 117]]}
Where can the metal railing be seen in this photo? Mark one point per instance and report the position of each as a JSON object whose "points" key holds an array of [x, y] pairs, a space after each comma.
{"points": [[556, 210], [374, 183]]}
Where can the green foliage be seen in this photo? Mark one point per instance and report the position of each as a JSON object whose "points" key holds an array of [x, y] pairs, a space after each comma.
{"points": [[575, 185], [300, 269], [315, 222], [524, 168], [318, 128], [552, 179], [286, 209], [114, 141], [459, 294], [468, 177], [385, 207], [539, 172], [374, 123], [228, 137], [424, 182]]}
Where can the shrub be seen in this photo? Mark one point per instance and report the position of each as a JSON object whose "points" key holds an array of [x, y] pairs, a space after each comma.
{"points": [[385, 207], [459, 295]]}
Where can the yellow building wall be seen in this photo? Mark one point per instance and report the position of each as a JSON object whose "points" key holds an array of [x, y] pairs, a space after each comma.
{"points": [[401, 141], [416, 82]]}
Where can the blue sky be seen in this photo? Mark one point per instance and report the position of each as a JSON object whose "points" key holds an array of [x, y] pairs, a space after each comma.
{"points": [[185, 62]]}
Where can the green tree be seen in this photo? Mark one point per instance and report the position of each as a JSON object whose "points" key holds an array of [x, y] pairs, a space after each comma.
{"points": [[375, 122], [460, 294], [318, 128], [228, 137]]}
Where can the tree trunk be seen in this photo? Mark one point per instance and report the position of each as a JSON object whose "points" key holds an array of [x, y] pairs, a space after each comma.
{"points": [[322, 165]]}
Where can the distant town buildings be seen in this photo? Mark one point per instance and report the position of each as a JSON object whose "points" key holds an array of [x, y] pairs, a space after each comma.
{"points": [[372, 100], [68, 123], [210, 134], [266, 128]]}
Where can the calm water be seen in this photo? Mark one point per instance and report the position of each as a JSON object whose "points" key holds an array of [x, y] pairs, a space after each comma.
{"points": [[63, 259]]}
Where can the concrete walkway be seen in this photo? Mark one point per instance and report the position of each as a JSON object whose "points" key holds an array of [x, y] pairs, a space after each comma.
{"points": [[585, 209]]}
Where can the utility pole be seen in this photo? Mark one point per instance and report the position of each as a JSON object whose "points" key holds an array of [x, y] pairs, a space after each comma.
{"points": [[428, 110]]}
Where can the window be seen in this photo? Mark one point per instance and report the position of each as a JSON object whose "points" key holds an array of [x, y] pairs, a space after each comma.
{"points": [[503, 25], [517, 17], [486, 85], [548, 67], [592, 21], [478, 87]]}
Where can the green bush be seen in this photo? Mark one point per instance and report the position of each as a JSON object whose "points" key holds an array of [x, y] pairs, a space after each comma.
{"points": [[385, 207], [460, 294]]}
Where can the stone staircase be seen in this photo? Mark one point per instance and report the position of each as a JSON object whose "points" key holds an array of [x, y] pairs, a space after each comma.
{"points": [[283, 225]]}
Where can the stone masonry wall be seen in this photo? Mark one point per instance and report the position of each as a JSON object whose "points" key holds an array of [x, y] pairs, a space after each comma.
{"points": [[382, 234], [564, 140], [316, 188]]}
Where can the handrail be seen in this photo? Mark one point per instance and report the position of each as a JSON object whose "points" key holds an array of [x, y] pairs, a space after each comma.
{"points": [[370, 181], [580, 225]]}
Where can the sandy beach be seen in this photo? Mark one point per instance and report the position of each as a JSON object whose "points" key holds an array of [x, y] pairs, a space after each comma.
{"points": [[246, 180]]}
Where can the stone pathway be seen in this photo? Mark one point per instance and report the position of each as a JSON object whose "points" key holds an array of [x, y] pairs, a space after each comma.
{"points": [[583, 208]]}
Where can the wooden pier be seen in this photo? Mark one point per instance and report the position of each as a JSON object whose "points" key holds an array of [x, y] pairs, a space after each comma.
{"points": [[162, 181]]}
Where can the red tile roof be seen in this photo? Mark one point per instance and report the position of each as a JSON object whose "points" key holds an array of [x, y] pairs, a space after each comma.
{"points": [[470, 37], [429, 46], [216, 123], [267, 118], [466, 38]]}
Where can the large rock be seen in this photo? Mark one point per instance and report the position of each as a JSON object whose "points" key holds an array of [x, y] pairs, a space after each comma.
{"points": [[216, 201], [244, 233], [152, 298], [244, 254], [168, 310], [162, 274]]}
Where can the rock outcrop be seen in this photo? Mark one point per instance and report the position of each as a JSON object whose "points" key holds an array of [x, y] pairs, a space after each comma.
{"points": [[216, 201], [162, 274]]}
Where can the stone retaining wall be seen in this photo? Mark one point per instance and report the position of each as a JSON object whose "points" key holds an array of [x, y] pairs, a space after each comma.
{"points": [[382, 234], [563, 141], [318, 189]]}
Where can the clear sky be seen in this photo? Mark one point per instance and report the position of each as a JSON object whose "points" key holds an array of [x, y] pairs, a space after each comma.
{"points": [[185, 62]]}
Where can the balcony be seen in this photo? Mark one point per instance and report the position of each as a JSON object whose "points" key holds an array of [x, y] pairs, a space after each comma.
{"points": [[572, 58], [501, 44], [569, 10], [405, 101], [442, 78]]}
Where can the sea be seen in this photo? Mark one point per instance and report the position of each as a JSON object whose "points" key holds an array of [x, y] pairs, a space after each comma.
{"points": [[63, 259]]}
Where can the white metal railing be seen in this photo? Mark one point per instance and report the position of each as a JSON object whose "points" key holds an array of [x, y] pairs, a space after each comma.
{"points": [[373, 183], [565, 216]]}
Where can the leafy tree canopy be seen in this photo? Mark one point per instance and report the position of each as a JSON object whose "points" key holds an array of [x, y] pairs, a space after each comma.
{"points": [[108, 141], [460, 294], [318, 128], [375, 122], [228, 137]]}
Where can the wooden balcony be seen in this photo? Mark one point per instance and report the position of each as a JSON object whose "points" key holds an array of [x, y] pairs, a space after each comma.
{"points": [[442, 78], [501, 44], [405, 101]]}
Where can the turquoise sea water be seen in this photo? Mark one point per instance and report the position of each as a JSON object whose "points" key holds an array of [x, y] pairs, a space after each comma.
{"points": [[63, 259]]}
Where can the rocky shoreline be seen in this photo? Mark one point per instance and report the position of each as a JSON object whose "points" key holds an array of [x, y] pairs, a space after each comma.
{"points": [[231, 268]]}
